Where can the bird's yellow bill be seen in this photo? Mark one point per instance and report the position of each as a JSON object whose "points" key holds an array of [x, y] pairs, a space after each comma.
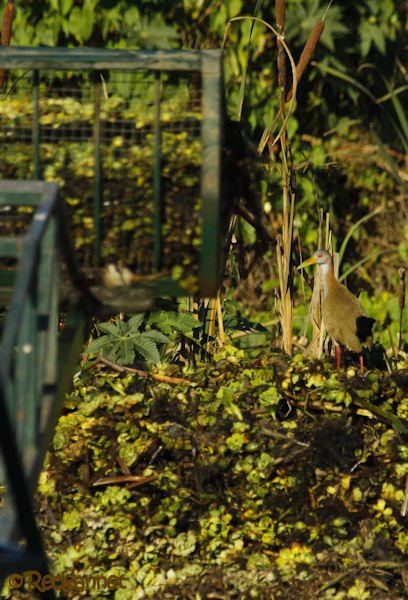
{"points": [[307, 263]]}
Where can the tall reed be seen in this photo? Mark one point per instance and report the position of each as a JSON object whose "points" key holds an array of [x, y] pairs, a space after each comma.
{"points": [[286, 107], [6, 30]]}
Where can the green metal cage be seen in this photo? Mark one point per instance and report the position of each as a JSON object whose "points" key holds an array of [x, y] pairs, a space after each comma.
{"points": [[109, 158], [134, 140], [36, 360]]}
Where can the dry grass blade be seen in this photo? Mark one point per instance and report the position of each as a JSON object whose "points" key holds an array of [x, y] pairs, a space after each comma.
{"points": [[221, 331], [281, 61], [315, 348]]}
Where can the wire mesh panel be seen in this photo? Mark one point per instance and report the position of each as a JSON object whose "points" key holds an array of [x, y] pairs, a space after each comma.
{"points": [[134, 141]]}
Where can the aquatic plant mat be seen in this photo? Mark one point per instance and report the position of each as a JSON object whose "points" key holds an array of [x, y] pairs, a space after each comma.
{"points": [[262, 479]]}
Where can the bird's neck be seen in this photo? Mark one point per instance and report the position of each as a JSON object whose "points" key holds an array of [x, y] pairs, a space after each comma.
{"points": [[328, 277]]}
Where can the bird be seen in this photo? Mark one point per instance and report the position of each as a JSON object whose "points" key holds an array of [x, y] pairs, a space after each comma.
{"points": [[343, 316]]}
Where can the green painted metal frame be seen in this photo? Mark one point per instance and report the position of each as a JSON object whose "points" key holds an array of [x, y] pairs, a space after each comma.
{"points": [[209, 64], [36, 363]]}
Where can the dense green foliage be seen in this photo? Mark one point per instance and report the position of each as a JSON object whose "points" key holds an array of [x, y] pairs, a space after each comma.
{"points": [[259, 477], [265, 474], [348, 136]]}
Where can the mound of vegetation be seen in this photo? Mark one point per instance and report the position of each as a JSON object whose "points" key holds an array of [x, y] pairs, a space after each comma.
{"points": [[273, 477]]}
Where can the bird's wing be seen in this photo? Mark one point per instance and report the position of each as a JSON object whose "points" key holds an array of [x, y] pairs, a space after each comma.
{"points": [[340, 311]]}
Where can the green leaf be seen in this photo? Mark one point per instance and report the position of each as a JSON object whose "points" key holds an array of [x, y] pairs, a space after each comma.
{"points": [[127, 353], [66, 6], [135, 322], [147, 349], [109, 327], [184, 544], [171, 322], [99, 343], [156, 336]]}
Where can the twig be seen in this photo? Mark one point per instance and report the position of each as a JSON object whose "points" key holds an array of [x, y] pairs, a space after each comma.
{"points": [[135, 480], [404, 507], [282, 436], [335, 580], [141, 373]]}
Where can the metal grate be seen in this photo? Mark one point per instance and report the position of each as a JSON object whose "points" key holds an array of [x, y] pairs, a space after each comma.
{"points": [[127, 147]]}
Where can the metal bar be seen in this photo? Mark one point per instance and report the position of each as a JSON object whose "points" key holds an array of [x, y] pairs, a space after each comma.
{"points": [[35, 190], [18, 486], [47, 321], [14, 57], [70, 344], [10, 247], [36, 124], [211, 139], [157, 192], [23, 279], [23, 405], [97, 167]]}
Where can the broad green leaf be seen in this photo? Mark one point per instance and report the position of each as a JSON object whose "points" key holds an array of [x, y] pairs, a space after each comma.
{"points": [[127, 355], [156, 336], [99, 343], [147, 349], [169, 322], [66, 6], [136, 321], [108, 327]]}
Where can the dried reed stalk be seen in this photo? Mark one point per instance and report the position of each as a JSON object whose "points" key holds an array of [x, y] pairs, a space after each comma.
{"points": [[307, 53], [8, 17], [315, 347], [280, 14], [281, 58], [284, 256], [221, 331], [284, 241], [6, 30], [401, 302]]}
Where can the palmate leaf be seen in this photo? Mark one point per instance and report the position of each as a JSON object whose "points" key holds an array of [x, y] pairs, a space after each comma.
{"points": [[126, 352], [135, 322], [108, 328], [156, 336], [122, 340], [147, 348], [170, 322], [120, 351], [98, 344]]}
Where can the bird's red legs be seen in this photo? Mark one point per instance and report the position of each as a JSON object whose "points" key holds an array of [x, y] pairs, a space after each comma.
{"points": [[338, 357], [338, 360]]}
